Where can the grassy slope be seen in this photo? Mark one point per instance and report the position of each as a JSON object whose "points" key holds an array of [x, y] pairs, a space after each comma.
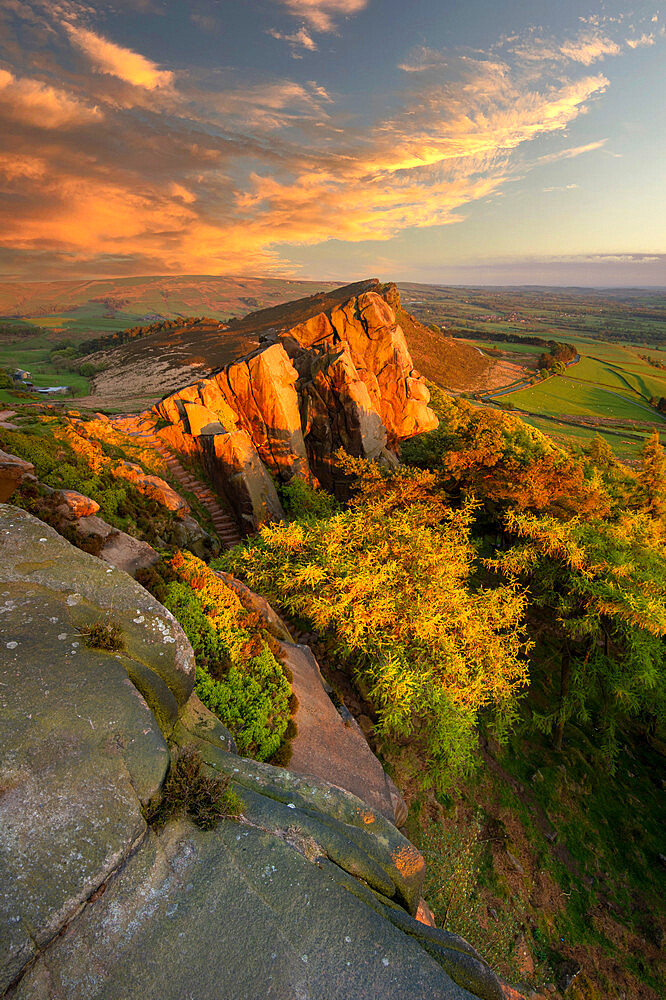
{"points": [[611, 381], [82, 308], [588, 887], [609, 328]]}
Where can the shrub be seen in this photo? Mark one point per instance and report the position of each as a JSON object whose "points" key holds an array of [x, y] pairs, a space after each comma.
{"points": [[238, 676], [187, 790], [388, 579], [300, 499]]}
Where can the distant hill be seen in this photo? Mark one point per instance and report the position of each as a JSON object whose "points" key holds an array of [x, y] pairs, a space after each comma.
{"points": [[86, 308]]}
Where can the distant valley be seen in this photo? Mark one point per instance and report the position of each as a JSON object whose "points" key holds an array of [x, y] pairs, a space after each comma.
{"points": [[466, 340]]}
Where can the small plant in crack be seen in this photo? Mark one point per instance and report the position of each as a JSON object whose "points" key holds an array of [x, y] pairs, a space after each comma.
{"points": [[103, 635], [188, 791]]}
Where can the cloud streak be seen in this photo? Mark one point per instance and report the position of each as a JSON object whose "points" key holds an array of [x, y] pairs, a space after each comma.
{"points": [[322, 15], [199, 173], [107, 57]]}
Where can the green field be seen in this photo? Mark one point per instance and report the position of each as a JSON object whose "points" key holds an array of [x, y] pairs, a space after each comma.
{"points": [[611, 315], [611, 382], [32, 354]]}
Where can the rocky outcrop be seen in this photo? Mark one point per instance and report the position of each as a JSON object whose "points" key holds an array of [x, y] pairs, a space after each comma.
{"points": [[237, 473], [151, 486], [73, 505], [338, 378], [118, 549], [310, 892], [12, 472]]}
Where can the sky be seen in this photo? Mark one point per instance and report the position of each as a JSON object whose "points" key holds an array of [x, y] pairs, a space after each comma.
{"points": [[515, 142]]}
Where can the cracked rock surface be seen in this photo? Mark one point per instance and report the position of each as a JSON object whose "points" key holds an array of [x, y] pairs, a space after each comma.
{"points": [[310, 893]]}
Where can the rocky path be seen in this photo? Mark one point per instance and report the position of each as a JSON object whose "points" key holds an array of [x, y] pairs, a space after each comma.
{"points": [[5, 417], [222, 518]]}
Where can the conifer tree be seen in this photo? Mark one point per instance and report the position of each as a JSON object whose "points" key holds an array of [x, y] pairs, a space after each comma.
{"points": [[652, 477], [603, 586]]}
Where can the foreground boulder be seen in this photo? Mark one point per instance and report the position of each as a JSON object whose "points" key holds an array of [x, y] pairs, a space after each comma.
{"points": [[12, 472], [342, 377], [309, 893]]}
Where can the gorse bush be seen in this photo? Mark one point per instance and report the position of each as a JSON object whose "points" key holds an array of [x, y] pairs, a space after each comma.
{"points": [[238, 676], [390, 579]]}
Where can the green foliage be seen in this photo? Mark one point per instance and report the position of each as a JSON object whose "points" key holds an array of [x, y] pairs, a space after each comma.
{"points": [[603, 586], [188, 791], [300, 499], [389, 579], [60, 467], [238, 675]]}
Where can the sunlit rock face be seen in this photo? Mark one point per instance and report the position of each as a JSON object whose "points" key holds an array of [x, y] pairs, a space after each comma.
{"points": [[341, 378], [261, 390]]}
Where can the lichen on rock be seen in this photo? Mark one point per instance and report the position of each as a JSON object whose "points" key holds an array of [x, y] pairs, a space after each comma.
{"points": [[298, 896]]}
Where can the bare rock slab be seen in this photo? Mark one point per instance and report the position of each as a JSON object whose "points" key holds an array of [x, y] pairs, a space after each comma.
{"points": [[81, 751], [32, 553], [326, 747], [235, 914]]}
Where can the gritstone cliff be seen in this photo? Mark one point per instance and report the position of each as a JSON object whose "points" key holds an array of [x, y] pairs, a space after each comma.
{"points": [[342, 376]]}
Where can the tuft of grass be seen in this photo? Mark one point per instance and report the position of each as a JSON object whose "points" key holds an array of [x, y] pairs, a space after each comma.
{"points": [[188, 791], [103, 635]]}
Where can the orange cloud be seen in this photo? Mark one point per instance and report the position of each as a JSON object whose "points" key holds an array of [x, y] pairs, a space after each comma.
{"points": [[644, 39], [107, 57], [297, 40], [224, 177], [12, 167], [588, 47], [321, 14], [35, 103]]}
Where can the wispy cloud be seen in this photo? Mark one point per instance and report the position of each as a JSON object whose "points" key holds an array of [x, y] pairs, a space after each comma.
{"points": [[107, 57], [33, 102], [203, 172], [323, 15], [298, 40], [644, 39], [560, 187], [588, 47], [422, 59], [573, 151]]}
